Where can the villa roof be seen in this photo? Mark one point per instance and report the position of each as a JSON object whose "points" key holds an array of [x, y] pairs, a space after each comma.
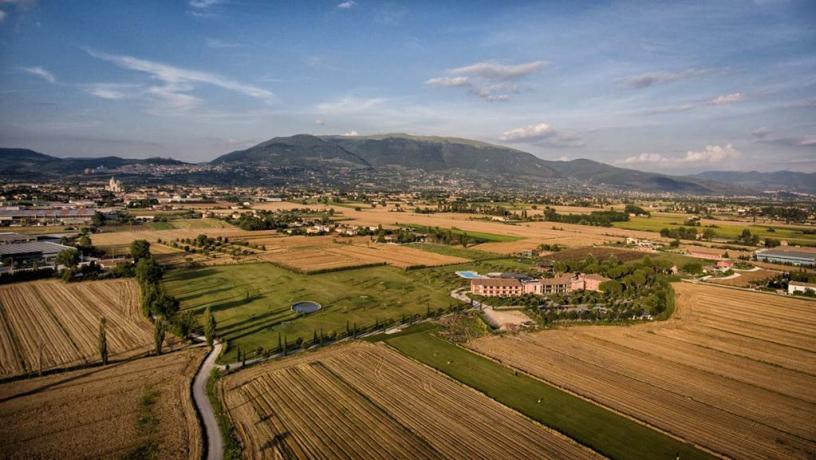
{"points": [[495, 282]]}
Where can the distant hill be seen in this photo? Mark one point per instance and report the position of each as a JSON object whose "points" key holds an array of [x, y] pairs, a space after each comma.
{"points": [[394, 160], [789, 181], [25, 163], [449, 154]]}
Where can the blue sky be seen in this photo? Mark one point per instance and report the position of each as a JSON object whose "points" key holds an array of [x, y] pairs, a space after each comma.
{"points": [[668, 86]]}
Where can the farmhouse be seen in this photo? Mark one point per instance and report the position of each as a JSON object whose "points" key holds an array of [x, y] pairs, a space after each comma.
{"points": [[514, 286], [788, 255]]}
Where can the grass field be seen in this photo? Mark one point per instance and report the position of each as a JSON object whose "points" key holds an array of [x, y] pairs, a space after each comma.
{"points": [[367, 401], [604, 431], [724, 230], [731, 370], [135, 409], [455, 251], [251, 302]]}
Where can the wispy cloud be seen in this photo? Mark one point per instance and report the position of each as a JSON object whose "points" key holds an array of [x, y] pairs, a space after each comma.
{"points": [[113, 91], [718, 101], [3, 15], [351, 133], [765, 136], [347, 5], [41, 72], [711, 154], [488, 80], [204, 8], [648, 79], [542, 134], [176, 83], [350, 105], [220, 44]]}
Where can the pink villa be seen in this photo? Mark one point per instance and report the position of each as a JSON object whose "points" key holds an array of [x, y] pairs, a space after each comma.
{"points": [[515, 287]]}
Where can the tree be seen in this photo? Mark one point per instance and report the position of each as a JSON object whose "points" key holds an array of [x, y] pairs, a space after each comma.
{"points": [[158, 336], [280, 345], [148, 271], [139, 249], [68, 257], [209, 327], [84, 242], [184, 323], [694, 268], [103, 340]]}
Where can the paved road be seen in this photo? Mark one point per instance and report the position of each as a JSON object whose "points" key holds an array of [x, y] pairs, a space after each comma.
{"points": [[215, 443]]}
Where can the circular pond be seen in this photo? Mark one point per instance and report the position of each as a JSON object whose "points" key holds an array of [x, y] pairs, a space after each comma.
{"points": [[306, 306]]}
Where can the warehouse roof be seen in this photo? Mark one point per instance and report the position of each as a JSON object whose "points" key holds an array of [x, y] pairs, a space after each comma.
{"points": [[33, 247]]}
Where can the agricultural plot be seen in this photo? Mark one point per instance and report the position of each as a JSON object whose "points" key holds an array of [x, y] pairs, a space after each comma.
{"points": [[122, 239], [732, 371], [319, 254], [366, 401], [252, 302], [51, 324], [136, 409], [746, 278]]}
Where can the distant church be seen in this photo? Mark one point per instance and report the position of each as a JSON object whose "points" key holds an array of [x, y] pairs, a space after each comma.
{"points": [[114, 186]]}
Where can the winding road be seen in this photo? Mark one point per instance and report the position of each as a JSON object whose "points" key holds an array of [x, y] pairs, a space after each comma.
{"points": [[215, 442]]}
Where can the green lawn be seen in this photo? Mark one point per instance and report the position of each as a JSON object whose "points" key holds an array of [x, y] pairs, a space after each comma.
{"points": [[604, 431], [251, 302], [725, 231]]}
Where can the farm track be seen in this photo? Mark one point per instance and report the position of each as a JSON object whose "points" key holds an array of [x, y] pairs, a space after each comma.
{"points": [[60, 323], [364, 400], [733, 371]]}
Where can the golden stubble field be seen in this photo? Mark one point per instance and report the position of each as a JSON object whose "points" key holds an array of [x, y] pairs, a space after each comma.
{"points": [[318, 253], [105, 412], [59, 323], [732, 371], [368, 401]]}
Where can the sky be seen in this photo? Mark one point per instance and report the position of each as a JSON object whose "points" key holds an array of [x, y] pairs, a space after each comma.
{"points": [[675, 87]]}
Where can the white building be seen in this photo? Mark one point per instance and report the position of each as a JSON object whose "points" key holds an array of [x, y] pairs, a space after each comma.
{"points": [[800, 287], [114, 186]]}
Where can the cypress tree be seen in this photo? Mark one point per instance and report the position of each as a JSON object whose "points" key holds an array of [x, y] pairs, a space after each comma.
{"points": [[280, 346], [314, 337], [158, 336], [209, 327], [103, 340], [284, 345]]}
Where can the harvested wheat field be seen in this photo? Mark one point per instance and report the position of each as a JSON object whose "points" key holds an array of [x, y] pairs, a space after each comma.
{"points": [[746, 278], [62, 320], [324, 253], [121, 239], [368, 401], [115, 411], [732, 371]]}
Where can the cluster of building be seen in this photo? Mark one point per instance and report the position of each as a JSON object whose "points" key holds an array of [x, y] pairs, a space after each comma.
{"points": [[515, 285], [788, 255], [19, 251]]}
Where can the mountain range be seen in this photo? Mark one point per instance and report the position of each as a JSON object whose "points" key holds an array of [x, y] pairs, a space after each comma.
{"points": [[395, 157]]}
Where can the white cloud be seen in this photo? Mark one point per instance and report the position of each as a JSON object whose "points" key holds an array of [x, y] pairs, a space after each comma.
{"points": [[349, 105], [488, 80], [494, 71], [320, 122], [648, 79], [176, 82], [204, 4], [351, 133], [709, 155], [113, 91], [3, 15], [40, 72], [727, 99], [541, 133], [347, 5], [448, 81]]}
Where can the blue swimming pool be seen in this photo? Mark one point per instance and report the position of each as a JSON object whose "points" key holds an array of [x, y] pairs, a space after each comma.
{"points": [[468, 275], [306, 306]]}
